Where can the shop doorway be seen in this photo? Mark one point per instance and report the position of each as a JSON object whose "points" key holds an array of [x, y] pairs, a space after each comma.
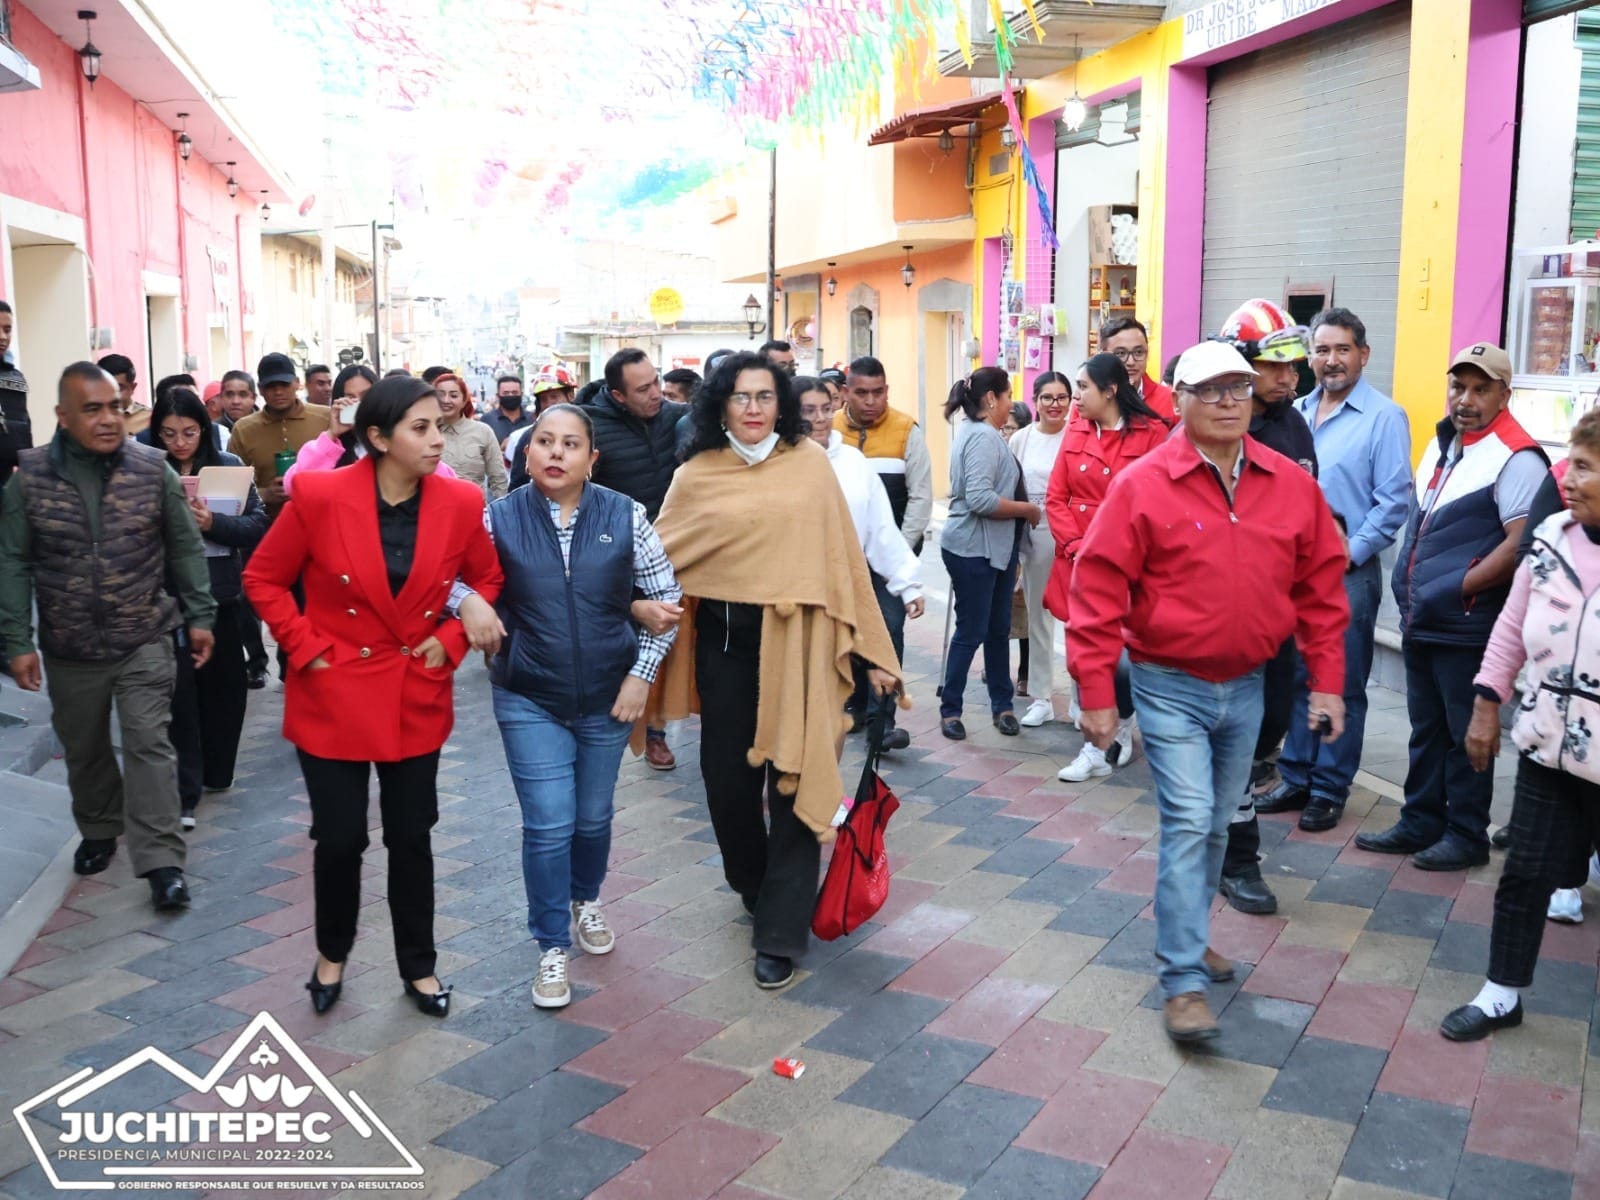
{"points": [[163, 338], [50, 293], [941, 339], [219, 354]]}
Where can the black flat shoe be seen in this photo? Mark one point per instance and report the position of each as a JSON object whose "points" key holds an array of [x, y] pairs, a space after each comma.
{"points": [[1320, 815], [430, 1004], [324, 995], [93, 855], [167, 889], [858, 720], [1502, 838], [773, 971], [953, 729], [1285, 797], [896, 739], [1006, 723], [1394, 840], [1469, 1023], [1249, 894], [1450, 856]]}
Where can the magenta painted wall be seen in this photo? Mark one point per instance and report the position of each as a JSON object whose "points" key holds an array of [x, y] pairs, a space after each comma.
{"points": [[989, 302], [1038, 285], [1186, 210]]}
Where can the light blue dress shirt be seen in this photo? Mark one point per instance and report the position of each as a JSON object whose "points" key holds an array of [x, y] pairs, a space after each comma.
{"points": [[1364, 465]]}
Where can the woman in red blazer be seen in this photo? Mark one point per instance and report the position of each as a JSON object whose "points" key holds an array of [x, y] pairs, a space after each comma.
{"points": [[378, 546], [1110, 427]]}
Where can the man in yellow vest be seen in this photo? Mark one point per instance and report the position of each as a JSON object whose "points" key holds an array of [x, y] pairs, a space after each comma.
{"points": [[895, 448]]}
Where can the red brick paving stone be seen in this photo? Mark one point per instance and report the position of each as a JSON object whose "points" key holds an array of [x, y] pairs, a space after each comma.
{"points": [[1102, 850], [290, 891], [1586, 1167], [1430, 883], [1137, 875], [624, 916], [1009, 787], [629, 954], [1239, 936], [1300, 973], [644, 1047], [85, 888], [36, 953], [1037, 805], [1475, 904], [618, 884], [737, 1191], [655, 1108], [919, 931], [1162, 1166], [621, 854], [1354, 856], [1367, 1014], [297, 950], [631, 999], [1337, 836], [992, 1011], [983, 770], [1525, 1120], [300, 862], [1571, 943], [15, 991], [1038, 1059], [692, 1164], [1090, 1118], [290, 919], [950, 970], [904, 895], [1068, 825], [63, 918], [1424, 1065]]}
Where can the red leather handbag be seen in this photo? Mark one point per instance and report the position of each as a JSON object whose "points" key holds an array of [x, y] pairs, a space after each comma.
{"points": [[857, 882]]}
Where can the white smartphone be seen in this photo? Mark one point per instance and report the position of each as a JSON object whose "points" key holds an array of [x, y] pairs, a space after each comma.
{"points": [[347, 414]]}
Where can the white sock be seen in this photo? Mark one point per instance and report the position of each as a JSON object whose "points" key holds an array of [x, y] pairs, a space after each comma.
{"points": [[1494, 1000]]}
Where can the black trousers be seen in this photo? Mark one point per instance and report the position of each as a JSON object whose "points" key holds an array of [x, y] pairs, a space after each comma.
{"points": [[771, 860], [409, 802], [1553, 820], [1243, 853], [1445, 797], [250, 637], [208, 710]]}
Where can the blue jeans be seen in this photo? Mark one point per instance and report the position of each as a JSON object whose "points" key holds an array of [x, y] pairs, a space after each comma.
{"points": [[982, 597], [1200, 738], [565, 773], [1328, 770]]}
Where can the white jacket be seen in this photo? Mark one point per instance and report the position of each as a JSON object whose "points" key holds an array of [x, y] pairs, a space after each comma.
{"points": [[881, 539]]}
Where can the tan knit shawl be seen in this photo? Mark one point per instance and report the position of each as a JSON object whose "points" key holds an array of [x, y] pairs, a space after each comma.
{"points": [[777, 534]]}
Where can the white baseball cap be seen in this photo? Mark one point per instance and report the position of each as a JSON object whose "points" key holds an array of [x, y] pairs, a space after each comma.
{"points": [[1208, 361]]}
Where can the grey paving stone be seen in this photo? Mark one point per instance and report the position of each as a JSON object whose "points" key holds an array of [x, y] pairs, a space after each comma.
{"points": [[163, 999], [1261, 1029], [1560, 988], [849, 978], [1464, 947], [1406, 1144], [1327, 1079], [172, 1031], [1412, 914], [212, 909], [1307, 860], [993, 832], [963, 1135], [1480, 1177], [568, 1166], [1218, 995], [1023, 856], [515, 1063], [1020, 1174], [527, 1118], [1274, 832], [1059, 884], [916, 1075], [1134, 949], [490, 937], [943, 790], [1344, 884], [184, 957], [818, 952], [915, 777], [495, 1018], [707, 835], [510, 968], [877, 1024], [965, 811], [1099, 912]]}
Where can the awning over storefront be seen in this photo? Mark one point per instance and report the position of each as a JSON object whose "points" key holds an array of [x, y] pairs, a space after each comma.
{"points": [[935, 119]]}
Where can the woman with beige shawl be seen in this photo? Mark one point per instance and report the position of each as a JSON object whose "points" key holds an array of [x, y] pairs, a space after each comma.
{"points": [[777, 599]]}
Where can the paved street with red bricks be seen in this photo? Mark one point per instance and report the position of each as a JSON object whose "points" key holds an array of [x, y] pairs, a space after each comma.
{"points": [[995, 1032]]}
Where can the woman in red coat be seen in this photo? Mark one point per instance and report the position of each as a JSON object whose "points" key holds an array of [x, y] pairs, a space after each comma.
{"points": [[378, 546], [1110, 427]]}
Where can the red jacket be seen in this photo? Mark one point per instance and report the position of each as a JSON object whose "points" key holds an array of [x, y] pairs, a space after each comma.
{"points": [[1085, 466], [1159, 397], [374, 702], [1187, 580]]}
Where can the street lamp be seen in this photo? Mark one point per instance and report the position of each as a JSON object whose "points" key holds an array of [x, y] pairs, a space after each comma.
{"points": [[1075, 111], [233, 184], [266, 209], [908, 273], [88, 56], [185, 142], [752, 316], [833, 284]]}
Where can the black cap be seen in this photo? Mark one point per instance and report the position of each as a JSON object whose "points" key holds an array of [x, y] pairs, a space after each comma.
{"points": [[276, 368]]}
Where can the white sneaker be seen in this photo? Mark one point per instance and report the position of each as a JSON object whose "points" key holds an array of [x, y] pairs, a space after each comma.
{"points": [[1038, 713], [1566, 906], [1594, 870], [1090, 764], [550, 989], [594, 935], [1120, 752]]}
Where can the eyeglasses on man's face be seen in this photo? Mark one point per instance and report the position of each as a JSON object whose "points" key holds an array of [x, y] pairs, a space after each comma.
{"points": [[1136, 355], [1213, 393], [759, 399]]}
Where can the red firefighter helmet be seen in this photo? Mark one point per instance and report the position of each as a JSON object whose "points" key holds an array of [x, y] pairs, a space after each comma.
{"points": [[1261, 331]]}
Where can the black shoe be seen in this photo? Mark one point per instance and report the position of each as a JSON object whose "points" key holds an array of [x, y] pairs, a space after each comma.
{"points": [[1502, 838], [1448, 854], [953, 729], [1006, 723], [1469, 1023], [430, 1004], [1283, 798], [858, 720], [1249, 894], [93, 855], [167, 889], [773, 971], [1394, 840], [896, 739], [324, 995], [256, 679], [1320, 815], [749, 903]]}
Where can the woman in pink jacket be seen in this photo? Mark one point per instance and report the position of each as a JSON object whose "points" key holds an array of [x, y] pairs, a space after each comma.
{"points": [[338, 446]]}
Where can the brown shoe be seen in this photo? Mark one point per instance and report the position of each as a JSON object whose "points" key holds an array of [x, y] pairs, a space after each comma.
{"points": [[657, 755], [1189, 1019], [1219, 968]]}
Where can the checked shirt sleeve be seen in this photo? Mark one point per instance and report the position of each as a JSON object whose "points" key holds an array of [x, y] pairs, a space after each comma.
{"points": [[652, 575]]}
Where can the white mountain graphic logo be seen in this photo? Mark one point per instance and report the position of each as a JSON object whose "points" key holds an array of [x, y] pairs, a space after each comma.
{"points": [[281, 1118]]}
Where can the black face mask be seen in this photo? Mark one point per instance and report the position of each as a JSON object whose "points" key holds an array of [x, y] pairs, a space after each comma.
{"points": [[511, 403]]}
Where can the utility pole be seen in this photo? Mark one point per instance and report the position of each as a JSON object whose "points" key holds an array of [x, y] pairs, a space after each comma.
{"points": [[330, 354], [772, 242], [377, 307]]}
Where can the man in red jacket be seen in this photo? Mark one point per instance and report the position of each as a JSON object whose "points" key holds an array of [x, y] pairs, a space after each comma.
{"points": [[1206, 554], [1127, 339]]}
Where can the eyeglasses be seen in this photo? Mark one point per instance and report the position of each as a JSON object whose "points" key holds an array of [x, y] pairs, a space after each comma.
{"points": [[1212, 393], [1138, 355], [180, 435], [759, 399]]}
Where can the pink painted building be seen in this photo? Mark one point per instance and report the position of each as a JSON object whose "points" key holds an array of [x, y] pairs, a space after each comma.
{"points": [[110, 241]]}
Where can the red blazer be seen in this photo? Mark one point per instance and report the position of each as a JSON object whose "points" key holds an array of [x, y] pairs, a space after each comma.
{"points": [[375, 702], [1159, 397], [1084, 469]]}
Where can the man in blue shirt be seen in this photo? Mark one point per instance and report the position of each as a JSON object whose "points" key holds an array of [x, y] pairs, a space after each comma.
{"points": [[1363, 442]]}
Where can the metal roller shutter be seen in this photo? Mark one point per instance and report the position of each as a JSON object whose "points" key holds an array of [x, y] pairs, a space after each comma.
{"points": [[1305, 158], [1586, 158]]}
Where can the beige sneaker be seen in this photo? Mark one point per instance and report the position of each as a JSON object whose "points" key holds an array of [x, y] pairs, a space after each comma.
{"points": [[1189, 1019], [550, 988], [594, 935], [1219, 968]]}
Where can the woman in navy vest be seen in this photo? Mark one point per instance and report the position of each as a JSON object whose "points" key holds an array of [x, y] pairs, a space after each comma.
{"points": [[572, 676]]}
